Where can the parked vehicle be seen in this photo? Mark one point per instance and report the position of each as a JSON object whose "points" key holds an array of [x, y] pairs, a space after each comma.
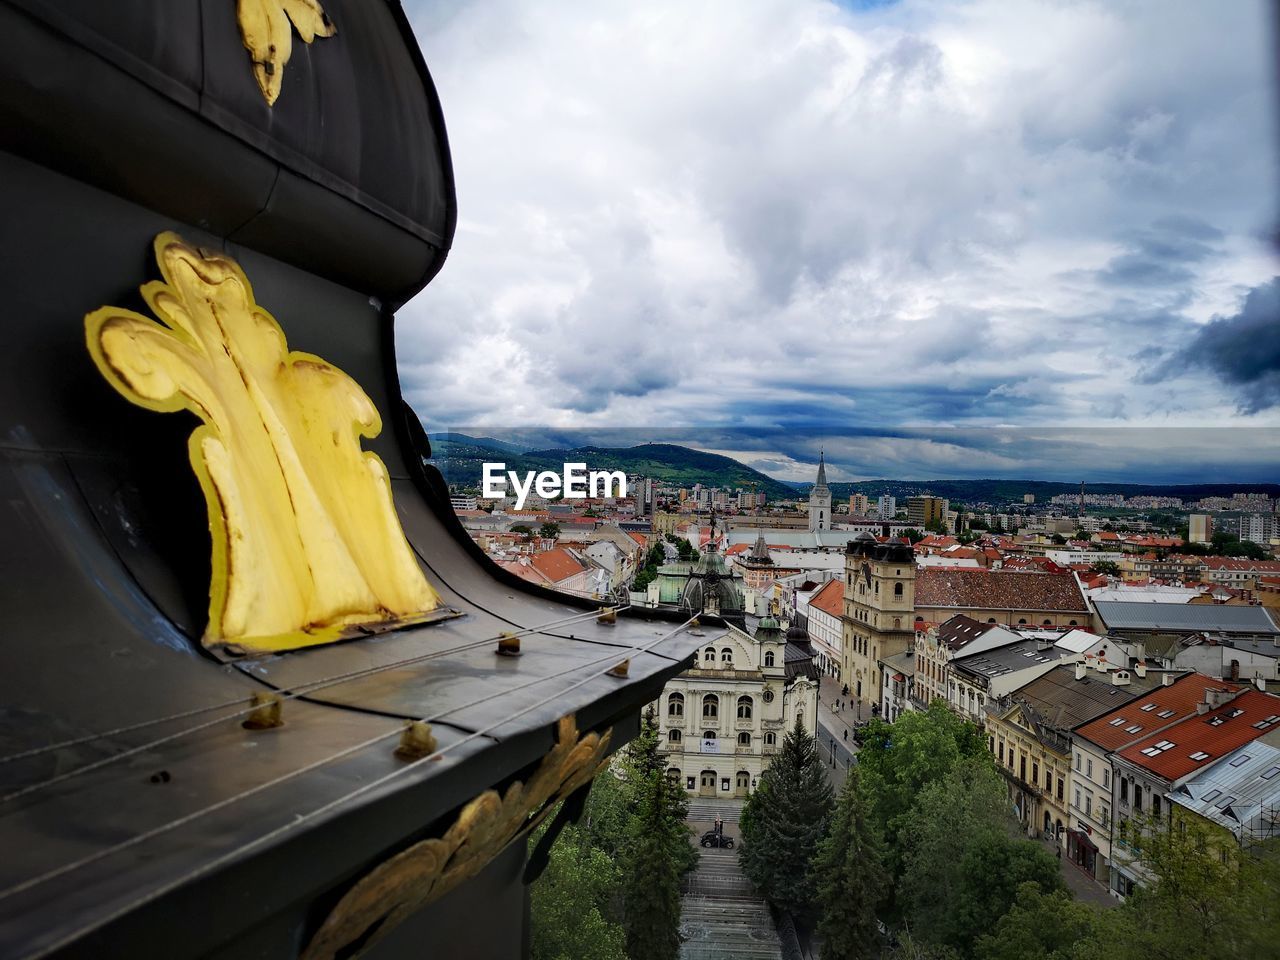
{"points": [[713, 839]]}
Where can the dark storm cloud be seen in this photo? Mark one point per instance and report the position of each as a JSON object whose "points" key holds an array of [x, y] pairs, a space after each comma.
{"points": [[1242, 350]]}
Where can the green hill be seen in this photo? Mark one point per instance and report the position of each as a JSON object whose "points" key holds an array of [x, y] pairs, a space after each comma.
{"points": [[461, 459]]}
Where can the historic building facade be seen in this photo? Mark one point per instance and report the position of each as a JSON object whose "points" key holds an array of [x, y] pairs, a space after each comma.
{"points": [[820, 499], [722, 720], [879, 604]]}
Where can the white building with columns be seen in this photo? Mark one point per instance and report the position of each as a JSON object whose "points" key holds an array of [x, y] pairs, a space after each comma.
{"points": [[722, 720]]}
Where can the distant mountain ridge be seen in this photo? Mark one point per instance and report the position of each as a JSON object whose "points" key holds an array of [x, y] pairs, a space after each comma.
{"points": [[461, 458]]}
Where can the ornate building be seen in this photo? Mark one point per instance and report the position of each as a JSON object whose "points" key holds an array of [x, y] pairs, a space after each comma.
{"points": [[879, 604], [820, 499], [722, 720]]}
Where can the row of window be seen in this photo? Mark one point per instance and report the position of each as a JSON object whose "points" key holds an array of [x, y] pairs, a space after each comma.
{"points": [[726, 656], [999, 750], [744, 738], [711, 705]]}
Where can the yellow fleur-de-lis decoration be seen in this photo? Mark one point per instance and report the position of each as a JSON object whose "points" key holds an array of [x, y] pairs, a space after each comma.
{"points": [[264, 27], [306, 542]]}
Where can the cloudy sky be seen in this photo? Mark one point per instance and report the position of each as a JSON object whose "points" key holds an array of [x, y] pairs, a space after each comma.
{"points": [[917, 234]]}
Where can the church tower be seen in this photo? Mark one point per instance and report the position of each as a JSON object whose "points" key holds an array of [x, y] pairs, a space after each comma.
{"points": [[879, 610], [820, 499]]}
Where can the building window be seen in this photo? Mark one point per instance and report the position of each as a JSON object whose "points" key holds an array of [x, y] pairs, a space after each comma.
{"points": [[1106, 776], [1048, 779], [1155, 805], [709, 655], [1124, 790], [674, 736], [897, 623], [1137, 797], [1022, 621], [675, 705], [1088, 805], [1035, 772], [897, 589], [1077, 761], [744, 708], [1088, 769], [744, 739], [1002, 751], [770, 739], [726, 656], [1062, 788], [1022, 768], [711, 706], [768, 658]]}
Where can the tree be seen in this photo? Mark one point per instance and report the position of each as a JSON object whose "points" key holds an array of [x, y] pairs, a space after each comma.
{"points": [[1109, 567], [783, 822], [549, 530], [1042, 926], [936, 526], [912, 534], [851, 879], [652, 869], [656, 556], [571, 904], [642, 579], [962, 858], [685, 551], [1058, 539], [899, 760], [521, 528]]}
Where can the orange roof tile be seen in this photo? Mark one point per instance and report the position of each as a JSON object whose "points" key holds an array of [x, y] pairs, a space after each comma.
{"points": [[1199, 740], [830, 599], [1178, 700], [556, 565]]}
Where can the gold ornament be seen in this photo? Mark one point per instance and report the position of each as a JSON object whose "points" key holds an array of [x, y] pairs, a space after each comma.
{"points": [[307, 547], [264, 27], [426, 871]]}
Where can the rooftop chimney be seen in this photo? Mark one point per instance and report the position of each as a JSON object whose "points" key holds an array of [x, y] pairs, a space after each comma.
{"points": [[1140, 668], [1081, 670], [1102, 665], [1167, 679], [1261, 682], [1214, 697], [1120, 678]]}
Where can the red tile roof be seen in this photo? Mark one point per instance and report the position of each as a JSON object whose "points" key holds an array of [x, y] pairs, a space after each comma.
{"points": [[556, 565], [1180, 697], [981, 589], [1200, 740], [830, 599]]}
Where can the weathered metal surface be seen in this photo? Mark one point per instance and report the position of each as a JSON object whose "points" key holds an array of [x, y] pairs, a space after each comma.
{"points": [[143, 818]]}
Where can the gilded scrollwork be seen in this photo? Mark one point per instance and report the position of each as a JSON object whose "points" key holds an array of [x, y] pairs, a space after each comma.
{"points": [[307, 546], [410, 880]]}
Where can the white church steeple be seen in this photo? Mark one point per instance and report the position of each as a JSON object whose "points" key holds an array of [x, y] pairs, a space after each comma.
{"points": [[820, 499]]}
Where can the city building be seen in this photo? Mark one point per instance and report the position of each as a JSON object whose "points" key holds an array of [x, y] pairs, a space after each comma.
{"points": [[1029, 733], [859, 505], [1009, 597], [722, 720], [1239, 795], [1199, 528], [976, 679], [887, 507], [923, 510], [459, 502], [879, 597], [897, 678], [822, 614], [820, 499], [936, 644], [1094, 742], [1148, 770]]}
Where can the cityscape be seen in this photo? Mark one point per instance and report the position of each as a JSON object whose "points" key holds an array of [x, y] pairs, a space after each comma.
{"points": [[1079, 641]]}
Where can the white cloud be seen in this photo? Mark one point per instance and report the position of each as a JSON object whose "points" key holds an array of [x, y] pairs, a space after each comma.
{"points": [[784, 212]]}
